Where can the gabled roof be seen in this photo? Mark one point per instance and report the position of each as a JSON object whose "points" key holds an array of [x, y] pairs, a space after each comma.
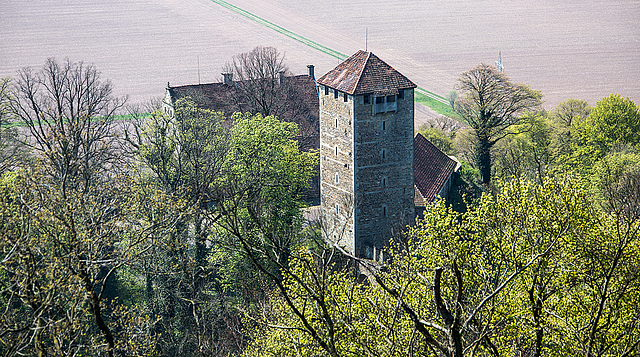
{"points": [[431, 168], [212, 96], [222, 97], [365, 73]]}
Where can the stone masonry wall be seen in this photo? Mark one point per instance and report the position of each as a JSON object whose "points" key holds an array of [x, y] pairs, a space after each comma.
{"points": [[372, 197], [336, 158], [384, 173]]}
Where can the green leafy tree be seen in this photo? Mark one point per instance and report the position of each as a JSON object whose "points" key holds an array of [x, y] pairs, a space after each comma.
{"points": [[510, 276], [613, 121], [528, 151], [260, 195], [491, 104], [442, 140]]}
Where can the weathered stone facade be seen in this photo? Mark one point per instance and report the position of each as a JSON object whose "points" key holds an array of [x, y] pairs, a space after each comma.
{"points": [[366, 148], [336, 165]]}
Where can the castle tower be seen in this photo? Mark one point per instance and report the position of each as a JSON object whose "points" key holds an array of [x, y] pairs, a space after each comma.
{"points": [[366, 153]]}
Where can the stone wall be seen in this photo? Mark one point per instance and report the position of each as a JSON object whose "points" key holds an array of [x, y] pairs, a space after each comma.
{"points": [[372, 197], [336, 167], [384, 173]]}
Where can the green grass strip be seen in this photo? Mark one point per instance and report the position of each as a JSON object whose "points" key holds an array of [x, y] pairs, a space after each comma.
{"points": [[432, 95], [436, 105], [282, 30], [116, 117], [428, 98]]}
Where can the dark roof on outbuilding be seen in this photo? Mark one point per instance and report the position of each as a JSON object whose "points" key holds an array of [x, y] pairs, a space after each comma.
{"points": [[212, 96], [222, 97], [431, 168], [365, 73]]}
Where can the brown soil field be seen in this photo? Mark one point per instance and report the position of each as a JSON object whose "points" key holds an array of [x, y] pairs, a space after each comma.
{"points": [[583, 49]]}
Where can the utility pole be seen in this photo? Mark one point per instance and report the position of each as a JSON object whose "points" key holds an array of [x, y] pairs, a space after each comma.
{"points": [[499, 62]]}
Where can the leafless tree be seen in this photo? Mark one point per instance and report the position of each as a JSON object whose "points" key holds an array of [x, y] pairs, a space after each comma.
{"points": [[68, 110], [263, 84], [490, 104]]}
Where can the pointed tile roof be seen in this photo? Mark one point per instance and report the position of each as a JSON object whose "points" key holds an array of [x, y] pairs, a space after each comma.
{"points": [[365, 73], [431, 168]]}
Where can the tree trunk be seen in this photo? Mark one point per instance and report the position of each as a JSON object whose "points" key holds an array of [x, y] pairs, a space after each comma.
{"points": [[96, 310], [483, 158], [536, 310]]}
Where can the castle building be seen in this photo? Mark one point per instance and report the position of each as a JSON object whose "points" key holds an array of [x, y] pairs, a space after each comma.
{"points": [[366, 154], [374, 175]]}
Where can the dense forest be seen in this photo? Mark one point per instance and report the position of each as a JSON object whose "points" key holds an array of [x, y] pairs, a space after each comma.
{"points": [[148, 234]]}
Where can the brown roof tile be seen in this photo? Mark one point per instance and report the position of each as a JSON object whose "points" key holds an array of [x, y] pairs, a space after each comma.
{"points": [[365, 73], [431, 168]]}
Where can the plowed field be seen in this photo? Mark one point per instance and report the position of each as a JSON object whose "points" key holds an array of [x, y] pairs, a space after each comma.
{"points": [[568, 49]]}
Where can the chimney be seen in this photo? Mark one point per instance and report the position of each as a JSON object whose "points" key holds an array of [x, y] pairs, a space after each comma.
{"points": [[281, 77], [228, 78], [311, 71]]}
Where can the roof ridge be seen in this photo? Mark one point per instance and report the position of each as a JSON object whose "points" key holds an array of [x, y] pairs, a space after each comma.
{"points": [[364, 65]]}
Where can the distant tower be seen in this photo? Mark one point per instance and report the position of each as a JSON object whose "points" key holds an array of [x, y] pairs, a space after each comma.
{"points": [[366, 153], [499, 62]]}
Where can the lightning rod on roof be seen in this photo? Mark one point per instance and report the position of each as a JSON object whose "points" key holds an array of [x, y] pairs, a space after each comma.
{"points": [[366, 38], [499, 62]]}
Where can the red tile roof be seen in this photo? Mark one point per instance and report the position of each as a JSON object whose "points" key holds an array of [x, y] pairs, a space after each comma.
{"points": [[431, 169], [365, 73]]}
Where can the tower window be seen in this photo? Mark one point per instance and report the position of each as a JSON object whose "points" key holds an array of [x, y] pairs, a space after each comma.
{"points": [[336, 151], [367, 98], [336, 122], [385, 104], [383, 153], [383, 182], [335, 93], [384, 125], [384, 210], [326, 90], [345, 97], [336, 178], [401, 94]]}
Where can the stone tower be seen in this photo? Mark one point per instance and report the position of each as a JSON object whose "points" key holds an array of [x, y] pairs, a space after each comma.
{"points": [[366, 153]]}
